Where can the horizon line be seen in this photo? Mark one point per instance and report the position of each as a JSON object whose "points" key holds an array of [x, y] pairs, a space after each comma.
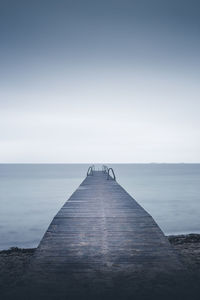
{"points": [[88, 163]]}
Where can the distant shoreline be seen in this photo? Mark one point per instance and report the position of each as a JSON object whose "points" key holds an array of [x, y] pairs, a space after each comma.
{"points": [[109, 163]]}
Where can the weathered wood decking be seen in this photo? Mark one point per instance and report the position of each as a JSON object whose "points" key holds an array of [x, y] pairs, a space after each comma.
{"points": [[99, 243]]}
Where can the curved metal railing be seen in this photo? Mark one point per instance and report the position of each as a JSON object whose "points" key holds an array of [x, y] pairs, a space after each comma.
{"points": [[90, 170], [105, 170], [113, 174]]}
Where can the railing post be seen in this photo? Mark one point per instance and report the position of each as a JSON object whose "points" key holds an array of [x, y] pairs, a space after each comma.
{"points": [[90, 171], [114, 177], [104, 169]]}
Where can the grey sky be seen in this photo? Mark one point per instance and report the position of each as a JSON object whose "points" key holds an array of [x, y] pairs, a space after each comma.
{"points": [[102, 81]]}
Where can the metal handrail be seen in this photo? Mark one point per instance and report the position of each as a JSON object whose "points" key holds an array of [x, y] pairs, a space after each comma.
{"points": [[90, 170], [104, 169], [113, 173]]}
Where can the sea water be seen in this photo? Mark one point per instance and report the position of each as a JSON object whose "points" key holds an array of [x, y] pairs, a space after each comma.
{"points": [[31, 195]]}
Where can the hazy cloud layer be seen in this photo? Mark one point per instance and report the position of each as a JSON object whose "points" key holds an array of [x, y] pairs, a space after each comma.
{"points": [[113, 81]]}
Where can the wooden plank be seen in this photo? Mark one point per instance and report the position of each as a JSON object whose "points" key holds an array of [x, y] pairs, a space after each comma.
{"points": [[100, 237]]}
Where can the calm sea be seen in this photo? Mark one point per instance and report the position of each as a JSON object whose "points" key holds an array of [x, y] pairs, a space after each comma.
{"points": [[30, 196]]}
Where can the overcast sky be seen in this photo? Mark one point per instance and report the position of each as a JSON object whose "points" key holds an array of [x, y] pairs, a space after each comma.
{"points": [[99, 81]]}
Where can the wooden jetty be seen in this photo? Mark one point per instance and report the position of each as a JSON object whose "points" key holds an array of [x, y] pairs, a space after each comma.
{"points": [[99, 244]]}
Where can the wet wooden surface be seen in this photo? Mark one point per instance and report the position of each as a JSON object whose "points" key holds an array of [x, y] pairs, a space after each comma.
{"points": [[99, 239]]}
